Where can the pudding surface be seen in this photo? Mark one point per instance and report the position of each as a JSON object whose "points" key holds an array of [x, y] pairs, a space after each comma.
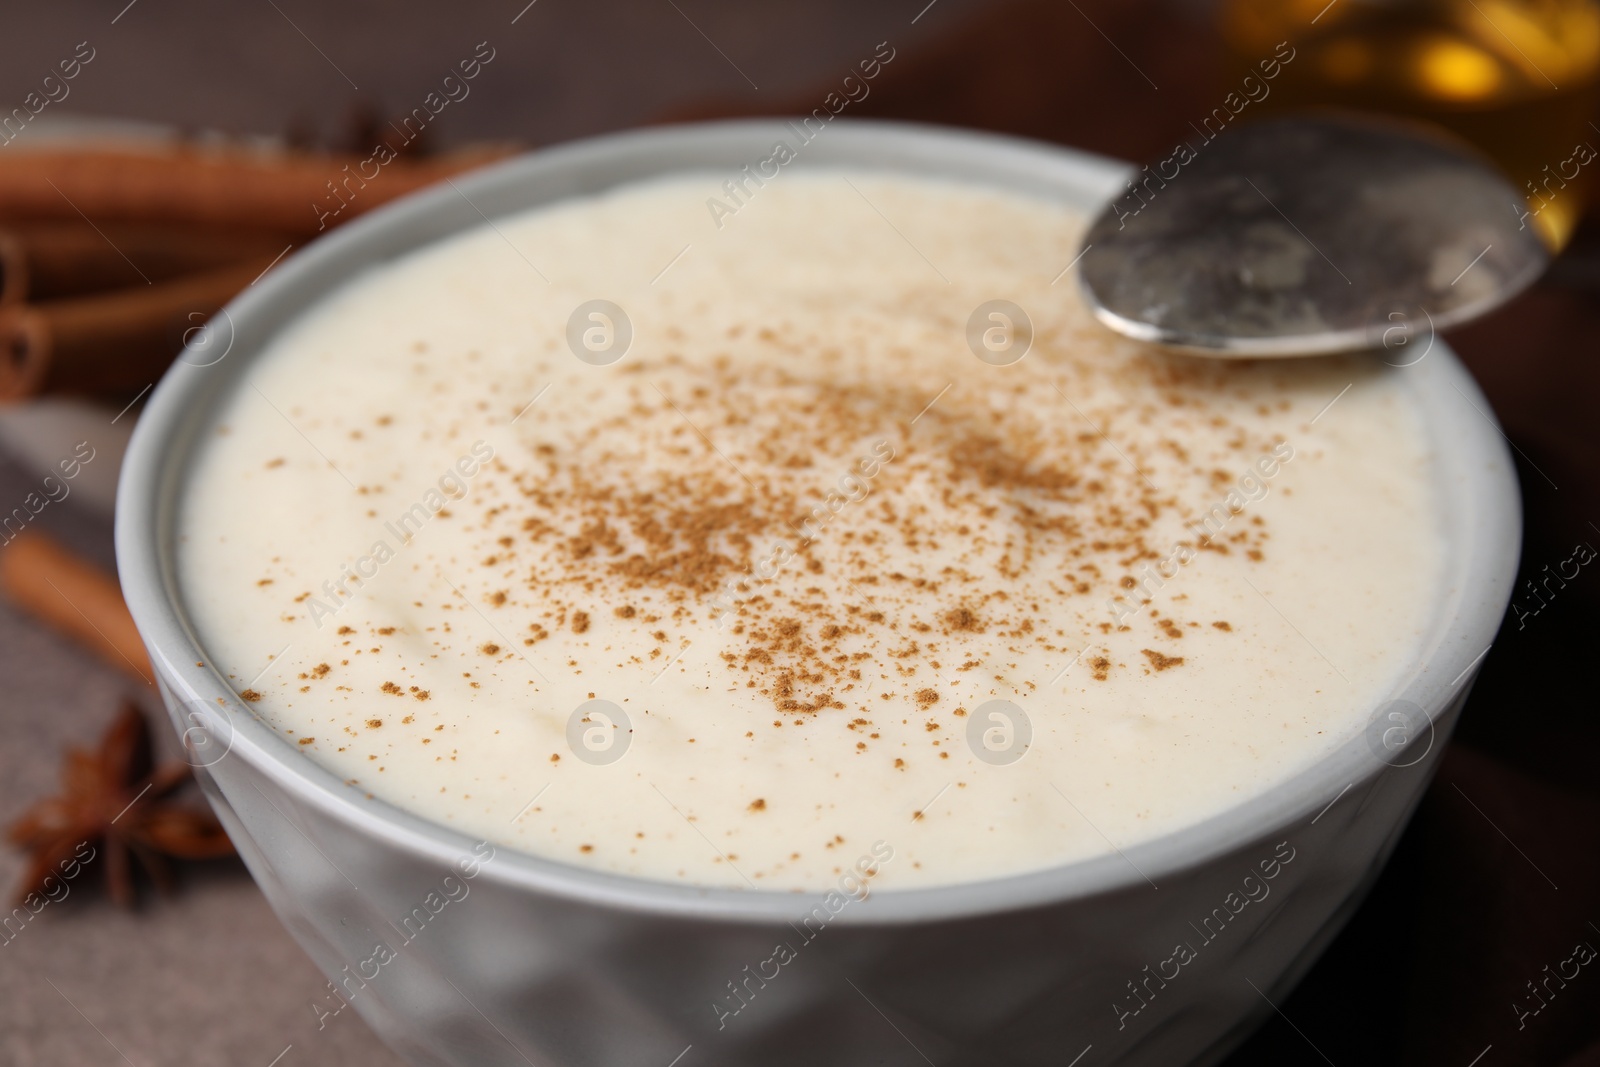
{"points": [[729, 549]]}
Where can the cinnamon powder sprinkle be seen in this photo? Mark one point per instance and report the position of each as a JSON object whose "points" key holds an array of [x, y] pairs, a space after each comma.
{"points": [[822, 599], [850, 562], [1160, 662]]}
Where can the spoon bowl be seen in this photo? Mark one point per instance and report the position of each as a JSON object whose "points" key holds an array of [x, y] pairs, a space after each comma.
{"points": [[1307, 236]]}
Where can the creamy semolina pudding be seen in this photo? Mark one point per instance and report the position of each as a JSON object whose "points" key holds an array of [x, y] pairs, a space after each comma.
{"points": [[731, 549]]}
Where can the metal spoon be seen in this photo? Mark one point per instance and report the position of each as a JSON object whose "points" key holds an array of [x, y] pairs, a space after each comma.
{"points": [[1304, 236]]}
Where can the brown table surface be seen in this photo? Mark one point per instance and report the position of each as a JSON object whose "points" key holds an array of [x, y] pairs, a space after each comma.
{"points": [[1468, 911]]}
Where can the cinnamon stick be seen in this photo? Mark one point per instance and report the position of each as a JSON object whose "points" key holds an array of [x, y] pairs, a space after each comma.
{"points": [[74, 597], [295, 192], [51, 260], [113, 342]]}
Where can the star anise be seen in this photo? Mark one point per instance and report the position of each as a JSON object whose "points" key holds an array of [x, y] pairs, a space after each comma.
{"points": [[114, 800]]}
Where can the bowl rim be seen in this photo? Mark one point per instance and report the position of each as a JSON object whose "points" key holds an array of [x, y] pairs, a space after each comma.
{"points": [[1475, 486]]}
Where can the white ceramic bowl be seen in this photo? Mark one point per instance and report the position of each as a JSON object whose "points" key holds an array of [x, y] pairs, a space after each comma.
{"points": [[554, 965]]}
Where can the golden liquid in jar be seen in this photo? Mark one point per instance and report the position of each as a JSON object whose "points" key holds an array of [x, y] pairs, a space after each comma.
{"points": [[1519, 79]]}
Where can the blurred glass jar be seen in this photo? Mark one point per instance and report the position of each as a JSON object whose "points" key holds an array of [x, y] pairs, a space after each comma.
{"points": [[1520, 79]]}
